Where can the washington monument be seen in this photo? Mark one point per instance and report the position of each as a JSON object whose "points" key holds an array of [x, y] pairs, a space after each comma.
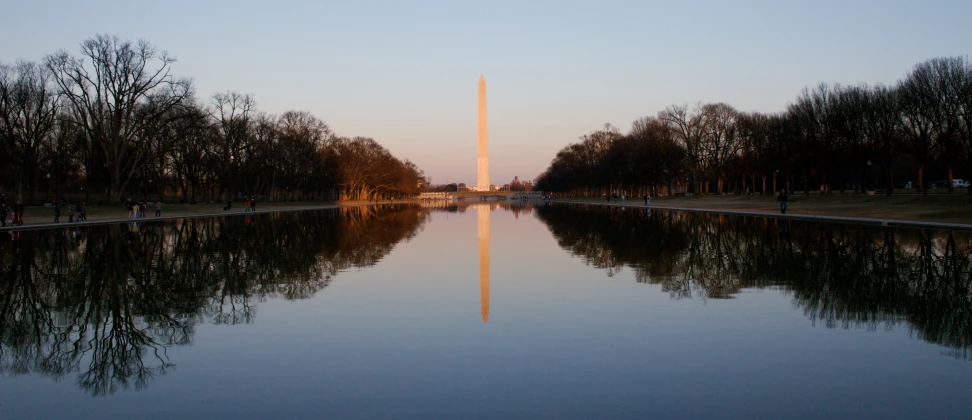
{"points": [[482, 162]]}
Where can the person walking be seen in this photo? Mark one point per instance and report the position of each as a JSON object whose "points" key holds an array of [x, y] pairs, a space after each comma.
{"points": [[3, 215], [158, 208], [252, 204], [77, 212], [781, 197], [19, 213], [84, 211], [71, 212], [57, 213]]}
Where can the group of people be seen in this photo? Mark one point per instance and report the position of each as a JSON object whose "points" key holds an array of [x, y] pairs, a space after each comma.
{"points": [[250, 205], [137, 210], [77, 212], [615, 197], [17, 218]]}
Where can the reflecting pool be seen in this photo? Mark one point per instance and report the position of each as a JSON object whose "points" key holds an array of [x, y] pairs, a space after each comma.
{"points": [[485, 310]]}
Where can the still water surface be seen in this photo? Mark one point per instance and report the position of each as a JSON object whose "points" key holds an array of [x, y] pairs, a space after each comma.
{"points": [[485, 311]]}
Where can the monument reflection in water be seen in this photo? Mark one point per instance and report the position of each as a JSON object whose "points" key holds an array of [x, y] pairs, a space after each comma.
{"points": [[482, 219], [661, 314]]}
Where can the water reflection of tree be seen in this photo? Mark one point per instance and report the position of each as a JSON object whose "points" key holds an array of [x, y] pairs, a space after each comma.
{"points": [[842, 276], [108, 302]]}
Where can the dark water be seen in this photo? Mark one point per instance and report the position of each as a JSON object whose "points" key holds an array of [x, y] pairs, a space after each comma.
{"points": [[485, 311]]}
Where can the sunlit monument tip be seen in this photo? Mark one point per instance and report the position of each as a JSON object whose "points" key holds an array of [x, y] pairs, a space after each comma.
{"points": [[482, 162]]}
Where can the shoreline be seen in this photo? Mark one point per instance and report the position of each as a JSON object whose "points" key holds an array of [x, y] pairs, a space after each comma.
{"points": [[174, 214], [857, 220], [115, 215]]}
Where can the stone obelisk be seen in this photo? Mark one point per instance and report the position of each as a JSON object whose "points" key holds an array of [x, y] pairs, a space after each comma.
{"points": [[482, 161], [483, 217]]}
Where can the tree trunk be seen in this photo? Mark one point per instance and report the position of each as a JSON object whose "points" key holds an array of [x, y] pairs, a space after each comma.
{"points": [[806, 186], [921, 179], [890, 187], [19, 184], [863, 180], [951, 186]]}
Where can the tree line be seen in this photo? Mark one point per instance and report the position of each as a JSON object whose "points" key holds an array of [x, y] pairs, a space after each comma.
{"points": [[832, 137], [842, 276], [116, 121], [105, 304]]}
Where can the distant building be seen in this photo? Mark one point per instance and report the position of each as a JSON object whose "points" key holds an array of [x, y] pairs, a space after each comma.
{"points": [[518, 185]]}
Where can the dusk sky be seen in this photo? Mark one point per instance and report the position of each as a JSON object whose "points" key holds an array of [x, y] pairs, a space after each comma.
{"points": [[406, 72]]}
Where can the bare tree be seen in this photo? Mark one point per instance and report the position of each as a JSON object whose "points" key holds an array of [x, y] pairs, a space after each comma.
{"points": [[230, 112], [720, 143], [688, 131], [947, 86], [302, 137], [849, 111], [882, 122], [28, 108], [124, 87], [917, 104], [965, 98]]}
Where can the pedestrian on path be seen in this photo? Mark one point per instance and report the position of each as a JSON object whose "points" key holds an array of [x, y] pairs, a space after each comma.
{"points": [[84, 211], [3, 215], [782, 199], [158, 208], [647, 199], [19, 213], [57, 213], [77, 212]]}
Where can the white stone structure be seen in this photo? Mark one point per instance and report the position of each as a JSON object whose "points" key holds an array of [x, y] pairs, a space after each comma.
{"points": [[482, 161]]}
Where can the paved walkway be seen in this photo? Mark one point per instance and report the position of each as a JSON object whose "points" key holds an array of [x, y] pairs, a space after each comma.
{"points": [[756, 213], [175, 215], [791, 216]]}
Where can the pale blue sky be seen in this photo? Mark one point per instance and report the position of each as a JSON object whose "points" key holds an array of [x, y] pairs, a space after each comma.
{"points": [[406, 72]]}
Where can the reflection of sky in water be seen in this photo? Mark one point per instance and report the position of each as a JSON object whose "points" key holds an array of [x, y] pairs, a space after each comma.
{"points": [[406, 338]]}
